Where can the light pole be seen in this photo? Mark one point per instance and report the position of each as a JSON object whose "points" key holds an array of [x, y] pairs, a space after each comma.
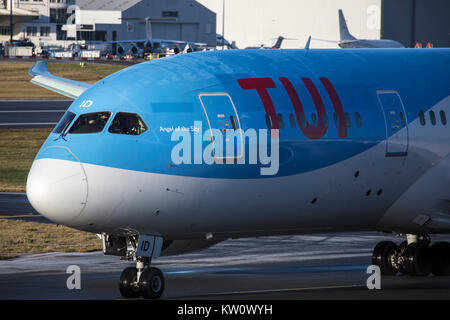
{"points": [[11, 21], [223, 24]]}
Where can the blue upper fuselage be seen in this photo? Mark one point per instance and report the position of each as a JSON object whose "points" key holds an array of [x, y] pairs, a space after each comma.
{"points": [[165, 94]]}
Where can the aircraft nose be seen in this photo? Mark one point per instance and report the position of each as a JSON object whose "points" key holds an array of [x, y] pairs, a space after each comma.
{"points": [[57, 185]]}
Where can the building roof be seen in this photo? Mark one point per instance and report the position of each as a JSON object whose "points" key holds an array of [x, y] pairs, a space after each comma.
{"points": [[119, 5]]}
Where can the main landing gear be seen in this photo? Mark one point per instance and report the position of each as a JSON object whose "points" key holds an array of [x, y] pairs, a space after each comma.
{"points": [[414, 257]]}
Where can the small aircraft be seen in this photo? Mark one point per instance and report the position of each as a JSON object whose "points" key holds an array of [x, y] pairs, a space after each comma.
{"points": [[140, 47], [277, 45], [347, 40], [358, 141]]}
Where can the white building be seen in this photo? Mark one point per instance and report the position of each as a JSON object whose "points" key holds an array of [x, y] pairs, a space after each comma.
{"points": [[252, 23], [61, 22]]}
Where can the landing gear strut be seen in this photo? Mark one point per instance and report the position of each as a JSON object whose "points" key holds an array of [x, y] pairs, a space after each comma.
{"points": [[413, 257]]}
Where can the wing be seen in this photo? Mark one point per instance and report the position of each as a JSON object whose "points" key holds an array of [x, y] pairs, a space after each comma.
{"points": [[157, 40], [42, 77]]}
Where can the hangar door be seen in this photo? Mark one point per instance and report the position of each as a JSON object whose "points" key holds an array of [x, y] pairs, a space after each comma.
{"points": [[170, 31], [189, 32]]}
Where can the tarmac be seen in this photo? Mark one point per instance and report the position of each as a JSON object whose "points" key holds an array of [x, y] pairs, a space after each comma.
{"points": [[319, 266]]}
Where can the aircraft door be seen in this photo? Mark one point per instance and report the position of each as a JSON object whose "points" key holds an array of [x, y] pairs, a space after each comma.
{"points": [[221, 114], [396, 123]]}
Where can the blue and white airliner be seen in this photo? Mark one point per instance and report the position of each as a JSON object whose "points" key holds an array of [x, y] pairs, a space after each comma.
{"points": [[363, 146]]}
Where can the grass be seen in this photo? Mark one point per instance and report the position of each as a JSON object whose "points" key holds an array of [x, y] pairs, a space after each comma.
{"points": [[15, 82], [18, 147], [22, 237]]}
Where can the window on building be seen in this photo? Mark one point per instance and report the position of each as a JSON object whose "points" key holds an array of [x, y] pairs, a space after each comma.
{"points": [[170, 14], [59, 15], [127, 123], [45, 31], [90, 122], [4, 31], [60, 34], [31, 31]]}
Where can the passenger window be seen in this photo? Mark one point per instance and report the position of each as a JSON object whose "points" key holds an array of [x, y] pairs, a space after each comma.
{"points": [[348, 122], [422, 118], [303, 120], [64, 122], [90, 122], [127, 123], [358, 120], [402, 119], [336, 120], [314, 119], [292, 121], [443, 117], [281, 121], [432, 118], [233, 122], [268, 121], [325, 120]]}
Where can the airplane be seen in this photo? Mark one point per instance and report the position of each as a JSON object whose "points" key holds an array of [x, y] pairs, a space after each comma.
{"points": [[277, 45], [362, 138], [139, 47], [347, 40]]}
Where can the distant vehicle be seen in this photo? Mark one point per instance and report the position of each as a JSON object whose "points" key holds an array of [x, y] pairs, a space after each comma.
{"points": [[61, 53], [21, 48], [221, 41], [347, 40], [20, 43]]}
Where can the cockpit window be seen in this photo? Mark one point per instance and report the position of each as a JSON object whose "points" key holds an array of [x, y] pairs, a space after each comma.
{"points": [[127, 123], [64, 122], [90, 122]]}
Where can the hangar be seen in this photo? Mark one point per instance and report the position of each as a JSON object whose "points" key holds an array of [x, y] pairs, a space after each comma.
{"points": [[60, 22], [248, 23]]}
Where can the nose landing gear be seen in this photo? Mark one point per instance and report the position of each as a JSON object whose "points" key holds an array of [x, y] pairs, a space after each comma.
{"points": [[141, 281], [414, 257]]}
